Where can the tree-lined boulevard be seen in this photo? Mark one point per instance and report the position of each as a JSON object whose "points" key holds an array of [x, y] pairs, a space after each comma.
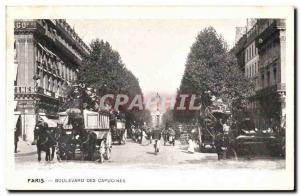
{"points": [[211, 113]]}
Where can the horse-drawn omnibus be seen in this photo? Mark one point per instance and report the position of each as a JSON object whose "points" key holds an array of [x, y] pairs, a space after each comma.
{"points": [[118, 130], [86, 132], [211, 124]]}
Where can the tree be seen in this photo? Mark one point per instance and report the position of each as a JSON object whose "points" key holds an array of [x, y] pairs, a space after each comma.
{"points": [[104, 70], [210, 67]]}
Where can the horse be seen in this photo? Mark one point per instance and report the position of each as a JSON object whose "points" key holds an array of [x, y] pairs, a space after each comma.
{"points": [[45, 141], [169, 136], [65, 145], [88, 140]]}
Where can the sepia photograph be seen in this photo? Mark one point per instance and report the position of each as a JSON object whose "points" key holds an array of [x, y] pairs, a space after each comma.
{"points": [[150, 98]]}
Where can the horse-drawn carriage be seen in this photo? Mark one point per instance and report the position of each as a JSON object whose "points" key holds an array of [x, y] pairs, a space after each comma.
{"points": [[118, 130], [83, 132], [240, 140], [211, 124], [245, 141], [169, 136]]}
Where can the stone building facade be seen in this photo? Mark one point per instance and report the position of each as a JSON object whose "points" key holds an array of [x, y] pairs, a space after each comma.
{"points": [[261, 55], [48, 54]]}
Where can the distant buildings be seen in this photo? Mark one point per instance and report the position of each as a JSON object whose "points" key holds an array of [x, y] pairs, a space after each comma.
{"points": [[48, 54], [260, 53], [156, 119]]}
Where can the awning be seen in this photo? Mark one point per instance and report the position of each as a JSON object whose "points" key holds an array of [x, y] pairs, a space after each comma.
{"points": [[50, 122], [49, 51], [46, 49]]}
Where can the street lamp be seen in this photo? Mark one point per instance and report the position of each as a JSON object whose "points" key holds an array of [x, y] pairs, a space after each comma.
{"points": [[36, 79], [23, 112]]}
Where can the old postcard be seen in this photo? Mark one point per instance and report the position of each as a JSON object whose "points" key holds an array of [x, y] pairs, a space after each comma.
{"points": [[150, 98]]}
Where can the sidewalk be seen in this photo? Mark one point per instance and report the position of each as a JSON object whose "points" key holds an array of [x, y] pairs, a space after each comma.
{"points": [[25, 148]]}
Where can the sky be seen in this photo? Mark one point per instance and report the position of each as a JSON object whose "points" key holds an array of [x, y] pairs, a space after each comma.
{"points": [[155, 50]]}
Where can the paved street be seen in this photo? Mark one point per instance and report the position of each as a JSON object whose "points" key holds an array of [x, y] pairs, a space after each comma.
{"points": [[134, 155]]}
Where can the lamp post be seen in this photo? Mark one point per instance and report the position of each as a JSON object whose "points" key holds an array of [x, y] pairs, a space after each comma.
{"points": [[23, 112], [36, 79]]}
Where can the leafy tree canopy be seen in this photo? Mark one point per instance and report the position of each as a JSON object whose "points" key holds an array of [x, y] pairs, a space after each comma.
{"points": [[104, 71], [211, 67]]}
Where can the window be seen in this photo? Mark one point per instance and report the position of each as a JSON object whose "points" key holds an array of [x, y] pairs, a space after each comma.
{"points": [[45, 82], [50, 84], [262, 80], [58, 88], [249, 52], [275, 75], [54, 85], [41, 79]]}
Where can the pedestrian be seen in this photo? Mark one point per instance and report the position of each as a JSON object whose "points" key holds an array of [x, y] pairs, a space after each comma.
{"points": [[157, 137], [191, 145], [143, 136], [16, 141], [150, 135]]}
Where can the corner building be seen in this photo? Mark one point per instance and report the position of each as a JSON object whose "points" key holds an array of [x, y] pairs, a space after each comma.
{"points": [[48, 54]]}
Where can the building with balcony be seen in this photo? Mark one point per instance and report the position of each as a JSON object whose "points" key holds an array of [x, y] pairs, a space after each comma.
{"points": [[262, 50], [48, 54]]}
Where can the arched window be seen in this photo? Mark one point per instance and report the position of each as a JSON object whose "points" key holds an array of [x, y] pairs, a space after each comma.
{"points": [[44, 62], [67, 73], [58, 90], [50, 88], [41, 79], [71, 75], [54, 85], [46, 82], [275, 75], [59, 68], [49, 63]]}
